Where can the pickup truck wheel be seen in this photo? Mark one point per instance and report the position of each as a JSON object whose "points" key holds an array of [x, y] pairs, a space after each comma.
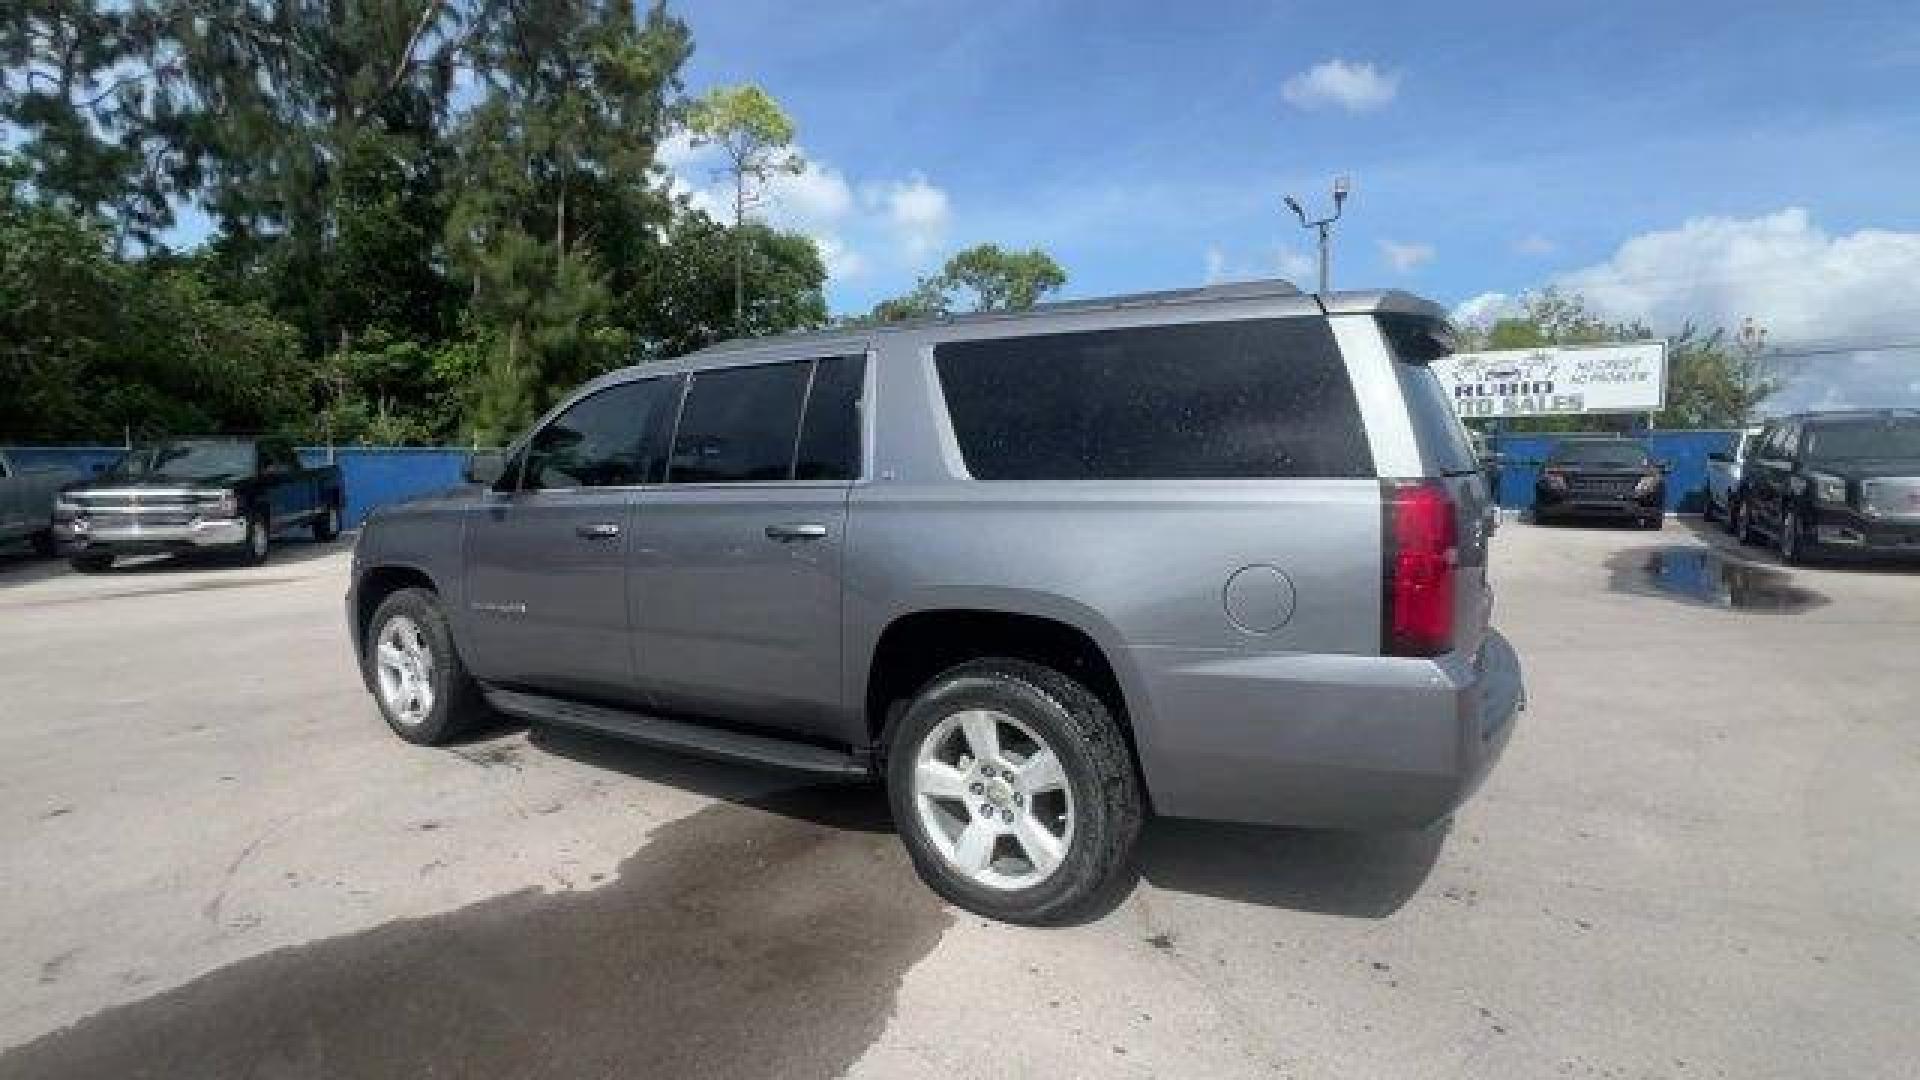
{"points": [[423, 689], [92, 562], [1014, 791], [44, 544], [259, 541], [1795, 549], [326, 527], [1743, 529]]}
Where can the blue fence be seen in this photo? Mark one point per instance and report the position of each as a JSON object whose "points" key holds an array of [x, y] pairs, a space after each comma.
{"points": [[1686, 450], [376, 475], [371, 475]]}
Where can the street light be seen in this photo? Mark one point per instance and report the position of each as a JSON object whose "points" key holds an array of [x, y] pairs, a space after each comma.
{"points": [[1324, 226]]}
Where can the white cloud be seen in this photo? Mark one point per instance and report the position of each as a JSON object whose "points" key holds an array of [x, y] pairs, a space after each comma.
{"points": [[1283, 261], [888, 226], [1486, 309], [918, 213], [1780, 269], [1534, 244], [1358, 87], [1405, 258]]}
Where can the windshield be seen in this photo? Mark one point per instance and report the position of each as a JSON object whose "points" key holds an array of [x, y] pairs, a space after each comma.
{"points": [[187, 461], [1888, 437], [1610, 455]]}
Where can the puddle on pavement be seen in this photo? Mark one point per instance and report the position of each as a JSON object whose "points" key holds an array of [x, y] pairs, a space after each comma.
{"points": [[1706, 577], [743, 941]]}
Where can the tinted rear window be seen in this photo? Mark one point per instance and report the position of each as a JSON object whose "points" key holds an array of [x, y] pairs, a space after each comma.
{"points": [[1202, 400], [830, 434]]}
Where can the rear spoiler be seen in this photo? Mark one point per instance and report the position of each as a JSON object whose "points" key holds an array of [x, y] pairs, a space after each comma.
{"points": [[1419, 330]]}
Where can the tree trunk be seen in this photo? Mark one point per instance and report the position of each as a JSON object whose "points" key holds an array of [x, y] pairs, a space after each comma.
{"points": [[739, 254]]}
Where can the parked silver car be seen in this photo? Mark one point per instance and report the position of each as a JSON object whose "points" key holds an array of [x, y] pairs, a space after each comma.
{"points": [[1723, 477], [1216, 553]]}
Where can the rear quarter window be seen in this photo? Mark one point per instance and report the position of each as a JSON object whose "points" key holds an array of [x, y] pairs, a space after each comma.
{"points": [[1260, 398]]}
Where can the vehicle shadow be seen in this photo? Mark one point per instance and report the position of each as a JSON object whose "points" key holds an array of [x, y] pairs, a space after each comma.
{"points": [[1357, 875]]}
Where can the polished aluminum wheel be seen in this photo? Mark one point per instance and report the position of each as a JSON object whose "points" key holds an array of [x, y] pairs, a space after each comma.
{"points": [[405, 664], [993, 798]]}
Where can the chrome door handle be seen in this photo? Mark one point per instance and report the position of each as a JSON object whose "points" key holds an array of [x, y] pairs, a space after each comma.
{"points": [[797, 530], [601, 530]]}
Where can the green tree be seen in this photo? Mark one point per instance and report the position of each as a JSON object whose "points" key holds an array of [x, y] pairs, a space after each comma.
{"points": [[756, 136], [555, 161], [985, 277], [691, 291], [99, 133]]}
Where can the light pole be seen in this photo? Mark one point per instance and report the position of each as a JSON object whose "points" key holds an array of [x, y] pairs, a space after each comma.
{"points": [[1324, 226]]}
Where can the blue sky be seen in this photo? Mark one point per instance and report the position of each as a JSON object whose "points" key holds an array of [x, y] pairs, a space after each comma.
{"points": [[1674, 160]]}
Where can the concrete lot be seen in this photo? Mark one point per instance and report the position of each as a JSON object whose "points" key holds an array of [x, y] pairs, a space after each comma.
{"points": [[1698, 858]]}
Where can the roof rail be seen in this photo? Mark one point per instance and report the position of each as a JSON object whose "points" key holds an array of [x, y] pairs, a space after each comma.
{"points": [[1232, 290]]}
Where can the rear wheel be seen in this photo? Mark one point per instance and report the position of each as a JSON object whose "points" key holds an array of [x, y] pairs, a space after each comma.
{"points": [[1014, 791], [424, 690], [92, 562], [44, 544]]}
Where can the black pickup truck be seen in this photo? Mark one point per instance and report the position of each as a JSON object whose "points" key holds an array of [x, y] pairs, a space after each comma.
{"points": [[196, 494]]}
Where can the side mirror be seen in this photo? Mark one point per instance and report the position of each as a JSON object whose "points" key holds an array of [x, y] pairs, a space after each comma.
{"points": [[485, 468], [1721, 456]]}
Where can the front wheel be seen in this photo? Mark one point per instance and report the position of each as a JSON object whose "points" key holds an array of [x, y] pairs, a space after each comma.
{"points": [[424, 690], [259, 541], [1743, 529], [1013, 789], [92, 562], [1794, 547], [326, 527]]}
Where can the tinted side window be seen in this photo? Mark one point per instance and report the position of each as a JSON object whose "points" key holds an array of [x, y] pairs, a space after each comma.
{"points": [[1229, 399], [830, 432], [613, 438], [739, 425]]}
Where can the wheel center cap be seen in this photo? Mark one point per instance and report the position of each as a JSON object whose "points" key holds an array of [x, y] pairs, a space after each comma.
{"points": [[999, 792]]}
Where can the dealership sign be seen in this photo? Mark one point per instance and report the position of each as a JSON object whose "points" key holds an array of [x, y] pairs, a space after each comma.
{"points": [[1629, 378]]}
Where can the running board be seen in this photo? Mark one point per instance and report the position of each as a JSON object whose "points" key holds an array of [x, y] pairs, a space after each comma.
{"points": [[677, 735]]}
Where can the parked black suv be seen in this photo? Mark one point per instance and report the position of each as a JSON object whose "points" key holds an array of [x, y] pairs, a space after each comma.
{"points": [[1830, 483], [1614, 478]]}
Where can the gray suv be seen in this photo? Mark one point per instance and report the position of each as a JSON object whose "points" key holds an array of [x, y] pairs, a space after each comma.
{"points": [[1215, 553]]}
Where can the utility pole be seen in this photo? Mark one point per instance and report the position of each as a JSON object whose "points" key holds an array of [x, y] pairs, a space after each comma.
{"points": [[1324, 226]]}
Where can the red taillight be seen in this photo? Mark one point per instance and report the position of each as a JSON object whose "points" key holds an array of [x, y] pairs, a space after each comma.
{"points": [[1421, 549]]}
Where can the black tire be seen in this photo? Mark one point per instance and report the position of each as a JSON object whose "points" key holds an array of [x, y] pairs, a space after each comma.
{"points": [[326, 527], [1709, 512], [1743, 529], [92, 562], [1792, 543], [457, 702], [44, 544], [1099, 776], [258, 545]]}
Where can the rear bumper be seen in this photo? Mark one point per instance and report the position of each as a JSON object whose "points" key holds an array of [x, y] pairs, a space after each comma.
{"points": [[131, 538], [1353, 742]]}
